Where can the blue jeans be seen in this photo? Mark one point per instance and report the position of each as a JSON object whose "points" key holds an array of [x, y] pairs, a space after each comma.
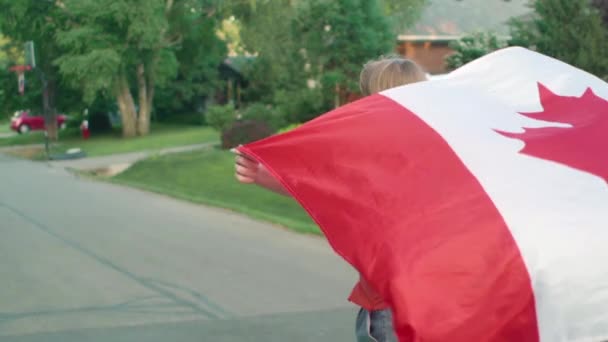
{"points": [[375, 326]]}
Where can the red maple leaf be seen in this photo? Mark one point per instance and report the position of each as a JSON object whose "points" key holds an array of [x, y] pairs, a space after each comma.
{"points": [[582, 146]]}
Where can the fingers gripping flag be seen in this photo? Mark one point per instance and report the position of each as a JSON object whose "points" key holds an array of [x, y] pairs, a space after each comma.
{"points": [[477, 205]]}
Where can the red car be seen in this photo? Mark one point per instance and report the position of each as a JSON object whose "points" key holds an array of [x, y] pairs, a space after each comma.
{"points": [[23, 122]]}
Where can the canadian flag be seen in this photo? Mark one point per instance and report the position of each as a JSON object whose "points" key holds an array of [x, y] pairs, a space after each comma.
{"points": [[477, 204]]}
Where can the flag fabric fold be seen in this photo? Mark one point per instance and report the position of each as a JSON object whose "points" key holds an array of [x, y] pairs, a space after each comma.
{"points": [[459, 202]]}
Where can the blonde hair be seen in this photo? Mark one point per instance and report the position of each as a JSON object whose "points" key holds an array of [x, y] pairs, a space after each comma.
{"points": [[386, 73]]}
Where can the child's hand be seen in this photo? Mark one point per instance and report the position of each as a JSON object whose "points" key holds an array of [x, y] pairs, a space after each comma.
{"points": [[247, 169]]}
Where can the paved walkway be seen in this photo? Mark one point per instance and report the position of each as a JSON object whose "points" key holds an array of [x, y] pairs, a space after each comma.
{"points": [[92, 163], [91, 261]]}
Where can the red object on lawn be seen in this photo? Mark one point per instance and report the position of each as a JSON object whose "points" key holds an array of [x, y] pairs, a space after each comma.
{"points": [[84, 129]]}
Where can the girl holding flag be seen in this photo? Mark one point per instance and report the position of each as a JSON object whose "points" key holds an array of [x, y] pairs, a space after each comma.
{"points": [[374, 321]]}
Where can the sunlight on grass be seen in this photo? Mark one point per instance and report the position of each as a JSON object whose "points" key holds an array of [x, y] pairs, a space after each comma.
{"points": [[111, 143], [208, 177]]}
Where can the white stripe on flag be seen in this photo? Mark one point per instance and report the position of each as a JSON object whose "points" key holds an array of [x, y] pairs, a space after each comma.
{"points": [[557, 215]]}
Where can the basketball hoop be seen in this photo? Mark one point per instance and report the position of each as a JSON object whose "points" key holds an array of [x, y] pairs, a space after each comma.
{"points": [[20, 71]]}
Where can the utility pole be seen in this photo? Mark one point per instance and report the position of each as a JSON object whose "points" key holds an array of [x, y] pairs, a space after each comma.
{"points": [[30, 59]]}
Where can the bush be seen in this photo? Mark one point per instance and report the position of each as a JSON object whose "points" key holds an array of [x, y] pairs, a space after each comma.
{"points": [[300, 105], [473, 46], [266, 114], [220, 117], [244, 132]]}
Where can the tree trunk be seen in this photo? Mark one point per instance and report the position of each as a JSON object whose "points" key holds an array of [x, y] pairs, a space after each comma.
{"points": [[150, 85], [337, 101], [127, 107], [145, 85], [143, 118], [48, 111], [52, 128]]}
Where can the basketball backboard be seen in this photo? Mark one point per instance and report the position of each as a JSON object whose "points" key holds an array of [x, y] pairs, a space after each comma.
{"points": [[30, 54]]}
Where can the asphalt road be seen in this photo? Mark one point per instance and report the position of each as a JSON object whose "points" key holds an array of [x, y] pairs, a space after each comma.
{"points": [[88, 261]]}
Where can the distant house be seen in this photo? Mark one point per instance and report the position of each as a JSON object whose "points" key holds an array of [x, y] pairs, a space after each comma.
{"points": [[443, 21], [233, 81]]}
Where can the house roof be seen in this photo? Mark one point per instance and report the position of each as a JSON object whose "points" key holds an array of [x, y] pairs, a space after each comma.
{"points": [[238, 63], [450, 19]]}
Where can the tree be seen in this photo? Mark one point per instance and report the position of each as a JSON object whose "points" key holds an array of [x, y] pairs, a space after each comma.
{"points": [[404, 13], [602, 6], [473, 46], [110, 43], [126, 45], [265, 31], [10, 55], [569, 30], [198, 56], [286, 36], [337, 38]]}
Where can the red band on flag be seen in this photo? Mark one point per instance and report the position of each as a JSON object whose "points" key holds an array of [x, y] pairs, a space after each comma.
{"points": [[396, 202]]}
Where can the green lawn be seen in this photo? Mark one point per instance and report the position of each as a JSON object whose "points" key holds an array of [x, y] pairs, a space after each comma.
{"points": [[162, 136], [208, 177], [32, 138], [5, 127]]}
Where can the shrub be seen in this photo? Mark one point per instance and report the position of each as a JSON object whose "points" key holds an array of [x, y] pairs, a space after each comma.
{"points": [[243, 132], [220, 117], [300, 105], [266, 114]]}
